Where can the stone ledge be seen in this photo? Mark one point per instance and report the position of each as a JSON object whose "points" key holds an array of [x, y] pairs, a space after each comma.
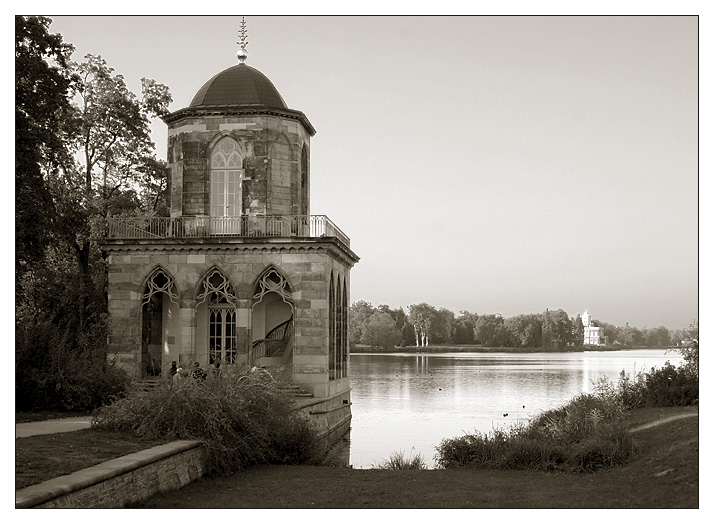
{"points": [[32, 496]]}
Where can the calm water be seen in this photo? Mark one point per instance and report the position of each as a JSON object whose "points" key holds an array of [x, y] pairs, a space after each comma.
{"points": [[407, 402]]}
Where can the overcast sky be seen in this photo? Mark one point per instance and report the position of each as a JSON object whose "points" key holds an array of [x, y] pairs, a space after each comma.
{"points": [[490, 164]]}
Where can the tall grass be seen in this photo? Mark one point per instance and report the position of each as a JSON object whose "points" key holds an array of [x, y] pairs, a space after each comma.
{"points": [[397, 460], [241, 418], [586, 434]]}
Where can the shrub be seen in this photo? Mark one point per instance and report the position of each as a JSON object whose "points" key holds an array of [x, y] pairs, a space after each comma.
{"points": [[241, 418], [399, 461], [660, 387], [586, 434]]}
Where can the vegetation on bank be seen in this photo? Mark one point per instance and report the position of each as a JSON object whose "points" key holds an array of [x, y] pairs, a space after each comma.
{"points": [[584, 435], [663, 474], [242, 419], [423, 326]]}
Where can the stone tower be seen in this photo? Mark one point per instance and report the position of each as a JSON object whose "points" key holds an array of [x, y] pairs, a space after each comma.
{"points": [[241, 273]]}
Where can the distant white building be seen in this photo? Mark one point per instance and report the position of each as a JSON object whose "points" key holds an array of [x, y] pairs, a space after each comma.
{"points": [[592, 335]]}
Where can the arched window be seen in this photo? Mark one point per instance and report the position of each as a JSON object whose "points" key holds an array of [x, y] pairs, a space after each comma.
{"points": [[304, 179], [338, 325], [218, 292], [331, 339], [345, 309], [226, 176]]}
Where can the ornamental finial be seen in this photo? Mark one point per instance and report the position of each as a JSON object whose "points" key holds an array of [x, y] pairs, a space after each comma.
{"points": [[242, 42]]}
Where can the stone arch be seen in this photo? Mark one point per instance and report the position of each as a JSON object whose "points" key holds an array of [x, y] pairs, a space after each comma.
{"points": [[159, 280], [156, 320], [271, 279], [272, 318]]}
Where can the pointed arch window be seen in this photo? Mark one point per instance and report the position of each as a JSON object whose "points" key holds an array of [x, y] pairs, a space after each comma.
{"points": [[332, 349], [226, 179], [222, 340], [304, 186]]}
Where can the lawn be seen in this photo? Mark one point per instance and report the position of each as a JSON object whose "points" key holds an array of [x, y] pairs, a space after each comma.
{"points": [[43, 457], [664, 474]]}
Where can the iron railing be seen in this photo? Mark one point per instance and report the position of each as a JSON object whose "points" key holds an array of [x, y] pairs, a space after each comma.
{"points": [[157, 228]]}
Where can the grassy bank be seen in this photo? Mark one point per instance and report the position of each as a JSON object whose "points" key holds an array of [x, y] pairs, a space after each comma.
{"points": [[663, 474]]}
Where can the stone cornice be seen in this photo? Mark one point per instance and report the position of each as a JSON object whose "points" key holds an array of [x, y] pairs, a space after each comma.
{"points": [[330, 246], [204, 111]]}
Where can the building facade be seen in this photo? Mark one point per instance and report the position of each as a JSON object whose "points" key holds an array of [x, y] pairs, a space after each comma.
{"points": [[240, 273], [592, 335]]}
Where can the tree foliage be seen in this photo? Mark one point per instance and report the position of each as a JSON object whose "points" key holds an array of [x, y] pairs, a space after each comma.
{"points": [[43, 80], [551, 330], [83, 153]]}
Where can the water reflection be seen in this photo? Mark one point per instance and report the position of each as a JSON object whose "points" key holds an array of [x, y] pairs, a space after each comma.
{"points": [[409, 403]]}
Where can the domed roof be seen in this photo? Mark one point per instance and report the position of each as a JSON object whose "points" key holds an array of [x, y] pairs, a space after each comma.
{"points": [[240, 85]]}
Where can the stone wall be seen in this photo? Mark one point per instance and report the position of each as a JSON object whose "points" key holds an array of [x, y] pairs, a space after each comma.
{"points": [[272, 148], [121, 481], [306, 266]]}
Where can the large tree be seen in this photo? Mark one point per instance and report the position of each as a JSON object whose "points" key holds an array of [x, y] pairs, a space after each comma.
{"points": [[83, 152], [118, 165], [43, 81], [557, 330], [526, 330], [422, 316]]}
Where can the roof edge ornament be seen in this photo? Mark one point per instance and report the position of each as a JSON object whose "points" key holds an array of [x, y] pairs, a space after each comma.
{"points": [[242, 42]]}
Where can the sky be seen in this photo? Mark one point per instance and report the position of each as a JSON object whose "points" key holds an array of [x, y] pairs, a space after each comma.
{"points": [[495, 164]]}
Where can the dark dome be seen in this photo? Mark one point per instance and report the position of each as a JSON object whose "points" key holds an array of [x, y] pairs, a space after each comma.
{"points": [[239, 85]]}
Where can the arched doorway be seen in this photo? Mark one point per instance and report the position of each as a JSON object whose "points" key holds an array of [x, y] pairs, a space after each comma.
{"points": [[155, 315], [272, 320]]}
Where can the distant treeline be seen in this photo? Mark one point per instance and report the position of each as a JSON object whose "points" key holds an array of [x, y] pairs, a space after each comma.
{"points": [[552, 330]]}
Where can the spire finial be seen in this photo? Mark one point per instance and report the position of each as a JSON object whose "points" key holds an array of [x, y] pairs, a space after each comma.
{"points": [[242, 42]]}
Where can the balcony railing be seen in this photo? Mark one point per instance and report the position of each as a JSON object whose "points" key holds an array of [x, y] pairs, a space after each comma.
{"points": [[157, 228]]}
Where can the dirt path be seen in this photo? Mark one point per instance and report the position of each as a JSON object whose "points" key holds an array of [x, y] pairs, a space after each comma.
{"points": [[662, 421]]}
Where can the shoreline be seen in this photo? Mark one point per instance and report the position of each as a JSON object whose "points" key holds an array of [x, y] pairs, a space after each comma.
{"points": [[482, 349]]}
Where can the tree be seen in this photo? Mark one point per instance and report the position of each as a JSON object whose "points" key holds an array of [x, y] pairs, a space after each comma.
{"points": [[360, 312], [63, 203], [42, 102], [421, 316], [490, 331], [557, 330], [114, 141], [402, 324], [578, 335], [381, 331], [464, 328], [443, 326], [526, 330]]}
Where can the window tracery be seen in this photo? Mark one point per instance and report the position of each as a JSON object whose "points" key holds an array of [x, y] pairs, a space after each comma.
{"points": [[217, 289], [159, 282], [273, 281]]}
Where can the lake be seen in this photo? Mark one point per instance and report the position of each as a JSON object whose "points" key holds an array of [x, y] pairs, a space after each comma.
{"points": [[410, 402]]}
